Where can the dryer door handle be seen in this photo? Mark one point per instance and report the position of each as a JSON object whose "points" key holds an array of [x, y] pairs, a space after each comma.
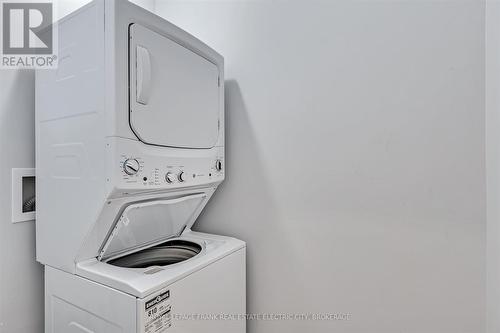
{"points": [[143, 75]]}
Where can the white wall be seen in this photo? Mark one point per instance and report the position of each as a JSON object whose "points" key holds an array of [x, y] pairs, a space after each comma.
{"points": [[355, 159]]}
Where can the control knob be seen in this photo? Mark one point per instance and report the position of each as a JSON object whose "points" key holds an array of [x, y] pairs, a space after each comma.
{"points": [[170, 177], [182, 176], [218, 165], [131, 166]]}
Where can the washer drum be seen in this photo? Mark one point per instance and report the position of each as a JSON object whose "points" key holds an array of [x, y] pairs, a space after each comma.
{"points": [[168, 253]]}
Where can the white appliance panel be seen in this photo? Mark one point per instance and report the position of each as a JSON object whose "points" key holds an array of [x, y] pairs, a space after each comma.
{"points": [[216, 294], [154, 163], [77, 305], [174, 92]]}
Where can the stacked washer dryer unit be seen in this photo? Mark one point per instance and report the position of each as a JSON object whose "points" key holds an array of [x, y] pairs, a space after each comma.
{"points": [[130, 147]]}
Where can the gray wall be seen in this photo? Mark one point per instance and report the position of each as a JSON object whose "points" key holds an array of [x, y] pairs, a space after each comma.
{"points": [[21, 278], [493, 161], [355, 159]]}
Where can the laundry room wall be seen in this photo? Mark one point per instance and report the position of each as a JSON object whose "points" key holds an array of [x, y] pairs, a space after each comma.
{"points": [[21, 277], [493, 162], [355, 159]]}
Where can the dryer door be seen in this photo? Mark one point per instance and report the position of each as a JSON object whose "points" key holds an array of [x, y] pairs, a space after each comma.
{"points": [[173, 92]]}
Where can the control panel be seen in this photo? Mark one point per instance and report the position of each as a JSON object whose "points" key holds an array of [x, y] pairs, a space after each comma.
{"points": [[149, 168]]}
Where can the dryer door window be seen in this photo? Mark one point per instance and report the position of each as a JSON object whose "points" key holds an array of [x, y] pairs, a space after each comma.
{"points": [[173, 92]]}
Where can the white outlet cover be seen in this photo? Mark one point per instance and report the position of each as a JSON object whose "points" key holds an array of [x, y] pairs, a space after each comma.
{"points": [[17, 195]]}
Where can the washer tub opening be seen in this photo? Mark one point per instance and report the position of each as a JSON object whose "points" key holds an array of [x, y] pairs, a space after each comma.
{"points": [[164, 254]]}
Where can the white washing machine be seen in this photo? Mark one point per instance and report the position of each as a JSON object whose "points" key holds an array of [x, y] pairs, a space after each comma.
{"points": [[129, 150]]}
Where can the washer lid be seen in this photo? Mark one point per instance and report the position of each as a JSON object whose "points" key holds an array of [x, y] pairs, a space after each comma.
{"points": [[147, 223]]}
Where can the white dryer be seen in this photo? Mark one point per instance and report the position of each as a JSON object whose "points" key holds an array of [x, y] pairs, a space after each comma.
{"points": [[129, 150]]}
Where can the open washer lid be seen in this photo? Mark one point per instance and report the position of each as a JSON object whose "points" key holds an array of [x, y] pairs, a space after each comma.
{"points": [[146, 223]]}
